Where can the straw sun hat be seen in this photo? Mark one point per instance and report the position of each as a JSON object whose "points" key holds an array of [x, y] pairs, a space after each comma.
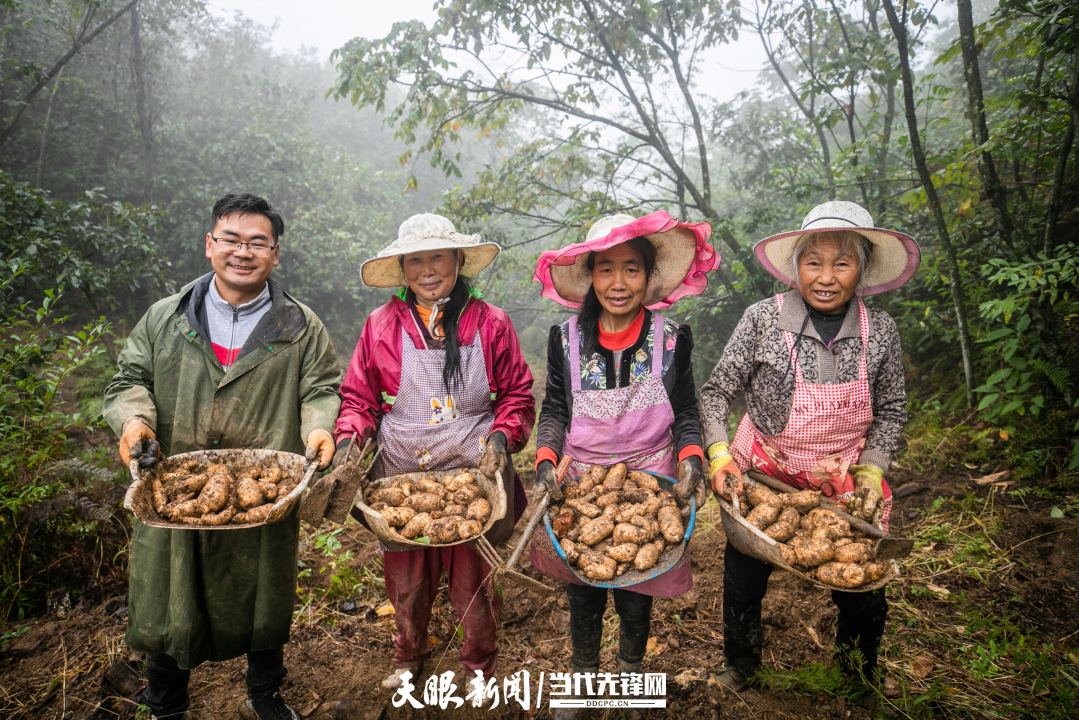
{"points": [[422, 233], [683, 256], [893, 261]]}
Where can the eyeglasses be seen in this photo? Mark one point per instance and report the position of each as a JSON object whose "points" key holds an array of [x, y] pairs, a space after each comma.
{"points": [[255, 248]]}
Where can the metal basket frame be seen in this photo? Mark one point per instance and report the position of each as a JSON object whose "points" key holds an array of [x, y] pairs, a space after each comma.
{"points": [[239, 458]]}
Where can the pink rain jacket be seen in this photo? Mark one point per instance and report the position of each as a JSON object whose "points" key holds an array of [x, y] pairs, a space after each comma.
{"points": [[374, 373]]}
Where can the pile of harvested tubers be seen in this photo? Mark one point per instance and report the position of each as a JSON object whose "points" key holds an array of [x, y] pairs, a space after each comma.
{"points": [[218, 495], [433, 511], [814, 540], [612, 520]]}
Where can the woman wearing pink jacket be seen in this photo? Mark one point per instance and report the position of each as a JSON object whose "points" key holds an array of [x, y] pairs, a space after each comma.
{"points": [[438, 377]]}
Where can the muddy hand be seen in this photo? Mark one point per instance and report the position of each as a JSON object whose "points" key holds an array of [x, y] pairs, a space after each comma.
{"points": [[495, 458], [690, 480], [868, 492], [320, 446], [138, 442], [725, 475], [547, 480]]}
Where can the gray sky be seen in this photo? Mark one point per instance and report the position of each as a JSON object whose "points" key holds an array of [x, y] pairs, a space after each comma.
{"points": [[328, 24]]}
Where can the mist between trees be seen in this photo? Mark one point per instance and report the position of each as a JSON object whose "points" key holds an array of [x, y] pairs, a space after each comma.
{"points": [[121, 122]]}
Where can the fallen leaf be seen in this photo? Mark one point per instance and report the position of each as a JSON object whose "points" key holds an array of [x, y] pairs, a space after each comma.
{"points": [[1074, 657], [939, 590], [960, 629], [689, 675], [651, 645], [921, 666], [891, 687], [385, 610], [433, 640], [310, 708], [995, 477]]}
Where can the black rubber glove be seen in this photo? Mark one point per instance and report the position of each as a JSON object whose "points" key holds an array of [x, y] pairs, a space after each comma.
{"points": [[340, 456], [691, 482], [547, 481], [495, 458], [147, 458]]}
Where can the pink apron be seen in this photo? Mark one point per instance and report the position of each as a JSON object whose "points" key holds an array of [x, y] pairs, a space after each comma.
{"points": [[630, 424], [824, 435]]}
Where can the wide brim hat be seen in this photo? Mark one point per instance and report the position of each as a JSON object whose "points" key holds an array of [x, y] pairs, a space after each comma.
{"points": [[422, 233], [894, 258], [683, 256]]}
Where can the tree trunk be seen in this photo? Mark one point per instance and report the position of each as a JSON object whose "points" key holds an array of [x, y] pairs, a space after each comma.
{"points": [[45, 130], [899, 29], [138, 62], [998, 194], [79, 44], [1055, 199]]}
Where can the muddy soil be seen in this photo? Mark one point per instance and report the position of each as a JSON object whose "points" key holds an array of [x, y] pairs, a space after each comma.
{"points": [[335, 667]]}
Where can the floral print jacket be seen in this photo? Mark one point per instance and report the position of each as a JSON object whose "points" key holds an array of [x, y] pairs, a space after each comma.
{"points": [[601, 373], [756, 362]]}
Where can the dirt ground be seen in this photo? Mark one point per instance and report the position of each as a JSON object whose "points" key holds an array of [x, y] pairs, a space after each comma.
{"points": [[77, 666]]}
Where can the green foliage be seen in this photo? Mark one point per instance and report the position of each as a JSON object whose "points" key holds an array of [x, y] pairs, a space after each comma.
{"points": [[103, 250]]}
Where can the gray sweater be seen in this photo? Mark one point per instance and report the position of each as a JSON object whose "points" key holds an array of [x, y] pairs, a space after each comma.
{"points": [[230, 326]]}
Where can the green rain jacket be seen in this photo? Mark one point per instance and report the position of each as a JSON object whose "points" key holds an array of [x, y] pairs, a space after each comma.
{"points": [[216, 594]]}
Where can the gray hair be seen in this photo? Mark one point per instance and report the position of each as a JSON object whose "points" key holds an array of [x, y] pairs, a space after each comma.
{"points": [[850, 243]]}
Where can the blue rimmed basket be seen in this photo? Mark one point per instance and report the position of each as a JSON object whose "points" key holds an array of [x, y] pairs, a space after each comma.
{"points": [[631, 577]]}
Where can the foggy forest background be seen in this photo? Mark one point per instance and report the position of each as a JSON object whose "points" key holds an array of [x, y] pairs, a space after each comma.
{"points": [[121, 121]]}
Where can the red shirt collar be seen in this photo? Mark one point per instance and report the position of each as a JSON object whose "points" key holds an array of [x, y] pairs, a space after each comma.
{"points": [[622, 340]]}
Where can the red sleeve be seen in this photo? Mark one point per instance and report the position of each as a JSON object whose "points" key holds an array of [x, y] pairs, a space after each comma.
{"points": [[511, 381], [361, 391]]}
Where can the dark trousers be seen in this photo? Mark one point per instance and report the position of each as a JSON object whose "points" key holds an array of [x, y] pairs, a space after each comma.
{"points": [[586, 607], [166, 684], [745, 581]]}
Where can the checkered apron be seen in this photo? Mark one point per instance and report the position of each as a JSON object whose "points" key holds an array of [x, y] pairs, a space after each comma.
{"points": [[631, 425], [426, 429], [824, 435]]}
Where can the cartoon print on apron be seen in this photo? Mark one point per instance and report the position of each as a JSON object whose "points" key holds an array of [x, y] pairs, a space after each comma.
{"points": [[829, 419], [428, 429], [629, 424]]}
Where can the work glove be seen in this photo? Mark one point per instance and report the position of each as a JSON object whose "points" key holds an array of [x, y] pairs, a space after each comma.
{"points": [[868, 500], [547, 480], [320, 446], [495, 458], [138, 442], [342, 454], [691, 482], [725, 475]]}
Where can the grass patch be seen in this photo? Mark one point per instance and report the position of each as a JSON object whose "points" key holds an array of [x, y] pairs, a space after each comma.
{"points": [[954, 646]]}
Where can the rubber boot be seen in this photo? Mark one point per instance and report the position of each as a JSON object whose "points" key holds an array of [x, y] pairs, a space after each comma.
{"points": [[625, 668], [571, 713]]}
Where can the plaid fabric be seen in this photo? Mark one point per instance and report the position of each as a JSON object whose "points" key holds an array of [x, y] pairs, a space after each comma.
{"points": [[428, 429], [824, 435]]}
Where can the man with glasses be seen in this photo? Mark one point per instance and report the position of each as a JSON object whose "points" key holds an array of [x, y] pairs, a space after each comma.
{"points": [[231, 361]]}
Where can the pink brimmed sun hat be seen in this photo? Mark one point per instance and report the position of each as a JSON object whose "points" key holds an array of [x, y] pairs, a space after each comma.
{"points": [[893, 261], [683, 256]]}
